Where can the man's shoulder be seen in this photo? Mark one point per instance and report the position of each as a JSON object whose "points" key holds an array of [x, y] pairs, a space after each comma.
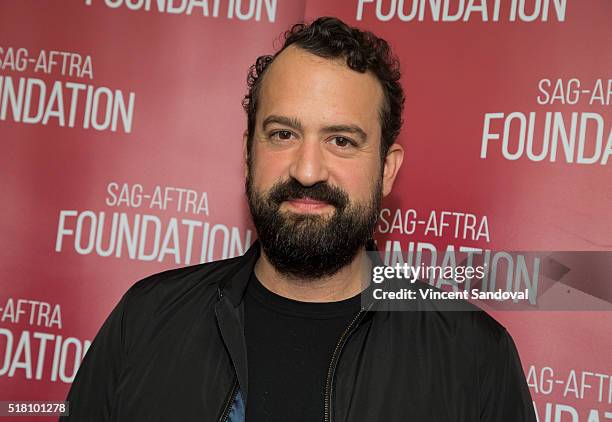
{"points": [[192, 283], [453, 324], [457, 317]]}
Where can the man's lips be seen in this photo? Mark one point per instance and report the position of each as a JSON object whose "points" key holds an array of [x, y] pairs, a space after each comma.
{"points": [[307, 204]]}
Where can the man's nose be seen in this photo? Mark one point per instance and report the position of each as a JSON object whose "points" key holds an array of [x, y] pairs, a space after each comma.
{"points": [[309, 166]]}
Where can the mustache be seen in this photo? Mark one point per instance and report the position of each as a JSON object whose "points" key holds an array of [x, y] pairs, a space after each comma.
{"points": [[292, 189]]}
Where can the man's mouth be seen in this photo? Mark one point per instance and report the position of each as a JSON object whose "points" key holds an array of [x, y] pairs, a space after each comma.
{"points": [[307, 204]]}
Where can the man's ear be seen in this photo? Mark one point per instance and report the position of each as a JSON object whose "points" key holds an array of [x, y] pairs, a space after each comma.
{"points": [[393, 162], [245, 153]]}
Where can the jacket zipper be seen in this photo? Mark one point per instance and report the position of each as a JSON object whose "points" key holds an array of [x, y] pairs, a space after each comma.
{"points": [[228, 404], [334, 361]]}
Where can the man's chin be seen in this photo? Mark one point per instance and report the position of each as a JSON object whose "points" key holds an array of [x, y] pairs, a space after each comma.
{"points": [[291, 222]]}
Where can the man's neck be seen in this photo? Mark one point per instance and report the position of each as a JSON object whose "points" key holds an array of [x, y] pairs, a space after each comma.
{"points": [[346, 283]]}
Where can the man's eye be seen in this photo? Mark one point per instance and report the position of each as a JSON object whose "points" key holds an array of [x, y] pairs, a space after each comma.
{"points": [[283, 135], [342, 141]]}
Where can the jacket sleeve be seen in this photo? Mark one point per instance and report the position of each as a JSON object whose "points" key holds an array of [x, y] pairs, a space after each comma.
{"points": [[91, 395], [504, 395]]}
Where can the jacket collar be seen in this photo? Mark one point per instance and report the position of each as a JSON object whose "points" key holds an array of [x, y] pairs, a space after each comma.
{"points": [[235, 286]]}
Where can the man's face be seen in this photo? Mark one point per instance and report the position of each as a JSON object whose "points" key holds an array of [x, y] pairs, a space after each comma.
{"points": [[315, 180]]}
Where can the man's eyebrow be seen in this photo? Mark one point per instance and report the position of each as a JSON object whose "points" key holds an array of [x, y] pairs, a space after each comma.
{"points": [[354, 129], [291, 122], [294, 123]]}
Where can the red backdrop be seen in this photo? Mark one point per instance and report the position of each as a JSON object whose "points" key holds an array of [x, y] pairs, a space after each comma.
{"points": [[121, 126]]}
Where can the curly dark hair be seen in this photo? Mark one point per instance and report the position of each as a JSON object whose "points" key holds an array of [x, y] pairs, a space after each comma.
{"points": [[331, 38]]}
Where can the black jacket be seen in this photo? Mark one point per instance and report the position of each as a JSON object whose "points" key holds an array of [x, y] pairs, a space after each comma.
{"points": [[173, 349]]}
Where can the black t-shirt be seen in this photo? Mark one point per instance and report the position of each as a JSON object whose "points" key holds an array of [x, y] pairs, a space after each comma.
{"points": [[289, 349]]}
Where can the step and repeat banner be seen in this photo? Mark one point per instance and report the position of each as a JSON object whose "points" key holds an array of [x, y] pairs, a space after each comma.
{"points": [[121, 130]]}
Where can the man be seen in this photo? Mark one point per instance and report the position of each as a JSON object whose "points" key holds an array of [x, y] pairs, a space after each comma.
{"points": [[279, 334]]}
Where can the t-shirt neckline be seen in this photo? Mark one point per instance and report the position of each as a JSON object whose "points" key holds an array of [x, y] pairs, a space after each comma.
{"points": [[296, 308]]}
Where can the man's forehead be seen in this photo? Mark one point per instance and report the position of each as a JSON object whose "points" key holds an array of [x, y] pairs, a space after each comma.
{"points": [[295, 57], [306, 82]]}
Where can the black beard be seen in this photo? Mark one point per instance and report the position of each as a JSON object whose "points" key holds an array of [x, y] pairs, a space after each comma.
{"points": [[307, 246]]}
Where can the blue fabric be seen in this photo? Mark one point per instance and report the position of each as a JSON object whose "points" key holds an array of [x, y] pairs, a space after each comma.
{"points": [[236, 413]]}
